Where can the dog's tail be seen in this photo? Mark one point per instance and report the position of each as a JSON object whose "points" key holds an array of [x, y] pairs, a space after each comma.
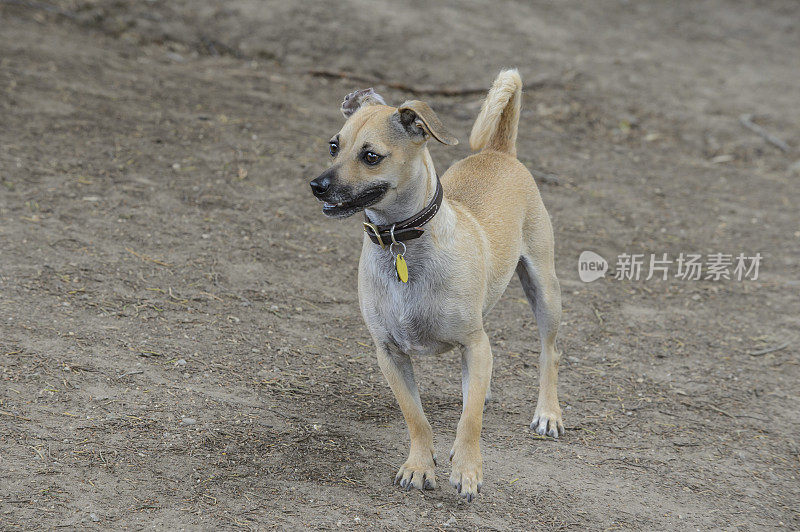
{"points": [[496, 126]]}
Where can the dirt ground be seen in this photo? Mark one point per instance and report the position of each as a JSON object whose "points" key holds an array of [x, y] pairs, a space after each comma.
{"points": [[181, 345]]}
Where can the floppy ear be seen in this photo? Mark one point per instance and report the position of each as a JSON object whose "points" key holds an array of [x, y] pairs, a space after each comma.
{"points": [[417, 115], [353, 101]]}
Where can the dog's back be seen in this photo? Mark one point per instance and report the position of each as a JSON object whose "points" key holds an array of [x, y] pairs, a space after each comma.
{"points": [[493, 185]]}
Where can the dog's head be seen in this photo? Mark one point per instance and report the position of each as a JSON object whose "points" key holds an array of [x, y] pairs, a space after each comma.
{"points": [[374, 153]]}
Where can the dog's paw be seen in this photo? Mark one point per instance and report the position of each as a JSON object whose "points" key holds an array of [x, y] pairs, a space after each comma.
{"points": [[467, 474], [548, 423], [417, 472]]}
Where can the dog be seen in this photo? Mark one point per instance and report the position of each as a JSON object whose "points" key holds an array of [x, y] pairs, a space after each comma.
{"points": [[438, 254]]}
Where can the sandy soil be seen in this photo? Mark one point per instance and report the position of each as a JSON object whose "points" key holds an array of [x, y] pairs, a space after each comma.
{"points": [[181, 345]]}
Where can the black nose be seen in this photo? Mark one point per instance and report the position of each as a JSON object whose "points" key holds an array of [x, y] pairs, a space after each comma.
{"points": [[320, 185]]}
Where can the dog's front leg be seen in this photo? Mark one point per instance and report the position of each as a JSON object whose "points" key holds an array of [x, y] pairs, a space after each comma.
{"points": [[467, 472], [418, 470]]}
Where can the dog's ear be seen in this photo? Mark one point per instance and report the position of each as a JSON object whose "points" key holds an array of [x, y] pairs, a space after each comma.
{"points": [[353, 101], [418, 117]]}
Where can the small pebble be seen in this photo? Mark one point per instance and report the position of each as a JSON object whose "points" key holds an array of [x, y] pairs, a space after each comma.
{"points": [[188, 421], [94, 517], [181, 362]]}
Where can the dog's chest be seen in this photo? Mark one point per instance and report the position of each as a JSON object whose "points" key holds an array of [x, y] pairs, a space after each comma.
{"points": [[415, 316]]}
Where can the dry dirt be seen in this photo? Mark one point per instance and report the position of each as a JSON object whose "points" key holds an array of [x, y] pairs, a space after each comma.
{"points": [[161, 258]]}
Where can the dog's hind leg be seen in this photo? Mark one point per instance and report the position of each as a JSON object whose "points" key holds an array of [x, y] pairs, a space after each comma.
{"points": [[418, 470], [537, 273]]}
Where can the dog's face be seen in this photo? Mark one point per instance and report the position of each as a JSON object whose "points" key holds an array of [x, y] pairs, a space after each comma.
{"points": [[374, 153]]}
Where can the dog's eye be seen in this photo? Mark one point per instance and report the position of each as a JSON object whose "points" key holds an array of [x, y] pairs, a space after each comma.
{"points": [[334, 148], [371, 158]]}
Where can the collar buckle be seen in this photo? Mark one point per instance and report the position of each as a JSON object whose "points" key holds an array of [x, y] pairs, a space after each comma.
{"points": [[375, 231]]}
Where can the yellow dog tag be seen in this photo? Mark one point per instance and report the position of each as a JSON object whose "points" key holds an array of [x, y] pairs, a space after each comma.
{"points": [[401, 267]]}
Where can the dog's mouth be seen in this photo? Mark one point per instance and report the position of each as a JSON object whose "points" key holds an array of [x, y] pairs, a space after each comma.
{"points": [[343, 209]]}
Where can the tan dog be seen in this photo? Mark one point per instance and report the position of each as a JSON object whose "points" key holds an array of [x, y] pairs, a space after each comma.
{"points": [[490, 223]]}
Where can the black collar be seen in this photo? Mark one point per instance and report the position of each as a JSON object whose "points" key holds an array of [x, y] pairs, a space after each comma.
{"points": [[407, 229]]}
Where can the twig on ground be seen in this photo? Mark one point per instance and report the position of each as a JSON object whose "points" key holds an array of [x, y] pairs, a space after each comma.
{"points": [[768, 350], [721, 411], [598, 315], [645, 448], [148, 259], [129, 373], [626, 462], [681, 444], [15, 416], [38, 451], [747, 121], [415, 89], [82, 368], [542, 438]]}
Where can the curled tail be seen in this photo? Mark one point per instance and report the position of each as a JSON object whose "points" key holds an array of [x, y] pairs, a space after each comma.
{"points": [[496, 126]]}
